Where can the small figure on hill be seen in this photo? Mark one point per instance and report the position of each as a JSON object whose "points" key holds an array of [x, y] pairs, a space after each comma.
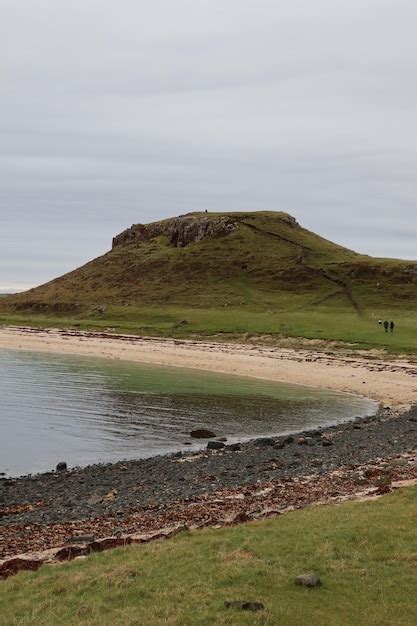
{"points": [[386, 326], [391, 326]]}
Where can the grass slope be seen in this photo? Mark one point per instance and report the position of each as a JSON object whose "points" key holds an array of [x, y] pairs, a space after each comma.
{"points": [[268, 276], [365, 553]]}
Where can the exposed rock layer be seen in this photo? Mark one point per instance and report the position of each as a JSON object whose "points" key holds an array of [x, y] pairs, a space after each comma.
{"points": [[180, 231]]}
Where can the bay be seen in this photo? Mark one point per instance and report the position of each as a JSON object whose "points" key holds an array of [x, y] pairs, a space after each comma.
{"points": [[87, 410]]}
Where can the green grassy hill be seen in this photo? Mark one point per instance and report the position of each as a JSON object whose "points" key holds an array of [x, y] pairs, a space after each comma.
{"points": [[262, 270]]}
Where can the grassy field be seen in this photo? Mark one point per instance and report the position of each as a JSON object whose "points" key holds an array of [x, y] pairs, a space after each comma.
{"points": [[269, 276], [366, 554], [341, 325]]}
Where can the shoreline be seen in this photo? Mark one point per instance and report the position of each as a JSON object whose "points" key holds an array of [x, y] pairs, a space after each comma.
{"points": [[260, 478], [350, 459], [392, 383]]}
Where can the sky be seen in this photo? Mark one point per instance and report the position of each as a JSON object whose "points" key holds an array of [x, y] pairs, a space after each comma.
{"points": [[115, 113]]}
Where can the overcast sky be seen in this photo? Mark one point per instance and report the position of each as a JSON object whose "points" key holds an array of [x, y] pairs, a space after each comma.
{"points": [[113, 113]]}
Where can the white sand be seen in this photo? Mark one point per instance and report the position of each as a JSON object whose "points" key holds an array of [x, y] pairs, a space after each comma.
{"points": [[393, 383]]}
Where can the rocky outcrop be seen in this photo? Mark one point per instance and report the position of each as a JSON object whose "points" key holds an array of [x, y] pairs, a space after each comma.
{"points": [[180, 231]]}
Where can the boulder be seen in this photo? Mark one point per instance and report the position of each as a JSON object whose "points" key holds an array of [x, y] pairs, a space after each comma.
{"points": [[202, 433], [265, 441], [61, 467], [215, 445], [308, 580]]}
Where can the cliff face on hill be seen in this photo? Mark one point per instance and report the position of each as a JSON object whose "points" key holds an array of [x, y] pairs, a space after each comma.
{"points": [[185, 229], [180, 231]]}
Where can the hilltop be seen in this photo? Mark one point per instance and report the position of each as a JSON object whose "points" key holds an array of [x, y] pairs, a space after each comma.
{"points": [[236, 273]]}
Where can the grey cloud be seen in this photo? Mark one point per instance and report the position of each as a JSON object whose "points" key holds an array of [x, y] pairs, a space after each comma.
{"points": [[114, 113]]}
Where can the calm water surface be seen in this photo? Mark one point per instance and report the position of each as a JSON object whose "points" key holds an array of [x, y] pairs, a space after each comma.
{"points": [[83, 411]]}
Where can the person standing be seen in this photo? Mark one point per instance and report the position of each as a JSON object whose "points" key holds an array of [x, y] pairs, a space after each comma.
{"points": [[391, 326], [386, 326]]}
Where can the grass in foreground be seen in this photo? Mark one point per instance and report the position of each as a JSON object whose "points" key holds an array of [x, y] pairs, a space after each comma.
{"points": [[365, 552]]}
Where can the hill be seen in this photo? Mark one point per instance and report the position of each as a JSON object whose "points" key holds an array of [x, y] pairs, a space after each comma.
{"points": [[240, 259], [208, 273]]}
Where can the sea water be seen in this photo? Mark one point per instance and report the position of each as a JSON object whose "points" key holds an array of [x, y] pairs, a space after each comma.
{"points": [[88, 410]]}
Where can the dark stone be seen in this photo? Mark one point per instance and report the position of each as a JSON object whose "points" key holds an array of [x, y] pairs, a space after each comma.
{"points": [[289, 440], [264, 441], [61, 467], [234, 447], [215, 445], [243, 605], [202, 433], [325, 441], [308, 580], [309, 441]]}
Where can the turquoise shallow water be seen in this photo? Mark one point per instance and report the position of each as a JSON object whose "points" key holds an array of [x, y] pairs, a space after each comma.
{"points": [[84, 411]]}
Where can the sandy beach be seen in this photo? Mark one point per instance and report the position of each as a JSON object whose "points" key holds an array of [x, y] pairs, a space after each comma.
{"points": [[392, 383]]}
